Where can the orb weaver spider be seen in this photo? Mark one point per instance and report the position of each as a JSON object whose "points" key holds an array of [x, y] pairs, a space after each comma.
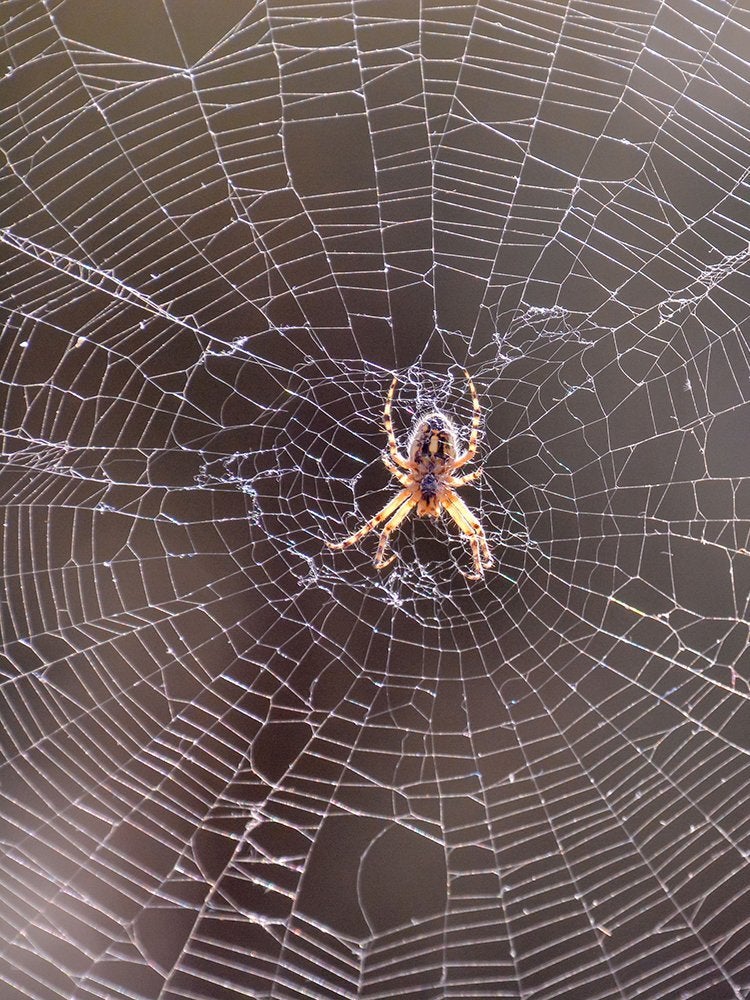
{"points": [[428, 481]]}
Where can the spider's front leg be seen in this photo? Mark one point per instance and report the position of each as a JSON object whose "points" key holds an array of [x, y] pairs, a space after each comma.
{"points": [[390, 508], [478, 573], [401, 514]]}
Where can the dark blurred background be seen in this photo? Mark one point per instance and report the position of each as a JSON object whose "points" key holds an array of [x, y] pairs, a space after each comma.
{"points": [[235, 763]]}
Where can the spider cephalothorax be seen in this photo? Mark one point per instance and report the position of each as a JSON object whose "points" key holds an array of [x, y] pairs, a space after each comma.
{"points": [[428, 481]]}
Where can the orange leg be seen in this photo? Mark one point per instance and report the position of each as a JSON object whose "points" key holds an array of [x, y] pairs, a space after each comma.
{"points": [[473, 438], [474, 524], [390, 508], [468, 478], [401, 476], [392, 446], [401, 514], [470, 528]]}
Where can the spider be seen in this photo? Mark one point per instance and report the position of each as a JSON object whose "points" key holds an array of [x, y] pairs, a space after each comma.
{"points": [[428, 481]]}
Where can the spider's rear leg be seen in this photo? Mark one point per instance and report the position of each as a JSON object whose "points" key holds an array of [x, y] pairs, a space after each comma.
{"points": [[474, 436], [392, 445]]}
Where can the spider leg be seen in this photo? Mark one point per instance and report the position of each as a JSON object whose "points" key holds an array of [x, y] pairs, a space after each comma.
{"points": [[392, 446], [474, 436], [381, 516], [474, 542], [401, 514], [394, 471], [474, 523], [470, 527], [468, 478]]}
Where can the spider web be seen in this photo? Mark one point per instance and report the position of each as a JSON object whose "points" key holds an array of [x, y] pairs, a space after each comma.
{"points": [[237, 764]]}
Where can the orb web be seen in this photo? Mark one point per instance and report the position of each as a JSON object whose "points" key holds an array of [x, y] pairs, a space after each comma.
{"points": [[236, 763]]}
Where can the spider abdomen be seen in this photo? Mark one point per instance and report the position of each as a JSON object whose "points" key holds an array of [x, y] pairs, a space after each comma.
{"points": [[433, 442]]}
